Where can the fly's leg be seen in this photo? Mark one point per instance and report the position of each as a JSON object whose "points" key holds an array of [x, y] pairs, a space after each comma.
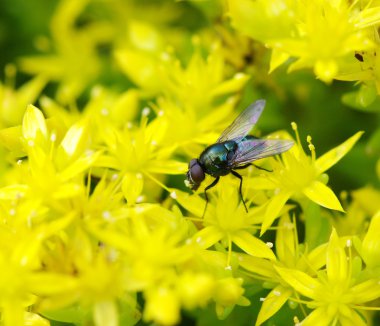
{"points": [[237, 175], [247, 165], [213, 184], [260, 168]]}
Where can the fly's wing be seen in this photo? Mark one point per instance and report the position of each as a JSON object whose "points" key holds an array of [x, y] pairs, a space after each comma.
{"points": [[253, 149], [243, 124]]}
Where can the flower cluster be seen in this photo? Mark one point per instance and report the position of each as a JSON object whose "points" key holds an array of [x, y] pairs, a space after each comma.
{"points": [[97, 226]]}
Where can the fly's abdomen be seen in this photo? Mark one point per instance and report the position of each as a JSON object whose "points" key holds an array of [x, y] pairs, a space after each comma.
{"points": [[215, 158]]}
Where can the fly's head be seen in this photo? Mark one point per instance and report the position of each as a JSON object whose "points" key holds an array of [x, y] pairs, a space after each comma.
{"points": [[195, 175]]}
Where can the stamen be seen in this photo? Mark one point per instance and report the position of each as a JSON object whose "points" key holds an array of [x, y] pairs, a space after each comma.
{"points": [[296, 321], [53, 137], [311, 148], [104, 112], [106, 215], [239, 75], [140, 199], [145, 111], [294, 127]]}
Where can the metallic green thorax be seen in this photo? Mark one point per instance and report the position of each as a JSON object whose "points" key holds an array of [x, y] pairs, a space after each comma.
{"points": [[215, 158]]}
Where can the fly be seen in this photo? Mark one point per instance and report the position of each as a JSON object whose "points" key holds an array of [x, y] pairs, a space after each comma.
{"points": [[234, 150]]}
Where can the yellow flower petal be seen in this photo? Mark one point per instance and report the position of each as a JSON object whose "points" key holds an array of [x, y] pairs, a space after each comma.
{"points": [[252, 245], [51, 283], [298, 280], [366, 291], [79, 166], [12, 313], [162, 306], [326, 70], [230, 86], [13, 191], [141, 67], [167, 167], [67, 190], [277, 59], [228, 291], [192, 203], [285, 240], [106, 314], [208, 236], [322, 195], [257, 265], [76, 139], [336, 261], [32, 319], [354, 318], [132, 186], [33, 123], [327, 160], [317, 257], [273, 209], [10, 139], [273, 303], [318, 317], [371, 243], [368, 17]]}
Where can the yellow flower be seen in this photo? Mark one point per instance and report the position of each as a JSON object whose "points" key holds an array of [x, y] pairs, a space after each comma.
{"points": [[101, 281], [74, 62], [225, 221], [140, 150], [162, 306], [188, 93], [365, 203], [317, 33], [52, 169], [337, 295], [13, 102], [290, 254], [297, 175], [22, 277], [369, 248], [103, 106]]}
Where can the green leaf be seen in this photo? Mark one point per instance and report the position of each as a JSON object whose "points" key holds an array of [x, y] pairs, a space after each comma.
{"points": [[317, 226]]}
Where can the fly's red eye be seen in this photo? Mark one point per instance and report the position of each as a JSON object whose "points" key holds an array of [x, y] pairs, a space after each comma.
{"points": [[196, 173], [193, 162]]}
